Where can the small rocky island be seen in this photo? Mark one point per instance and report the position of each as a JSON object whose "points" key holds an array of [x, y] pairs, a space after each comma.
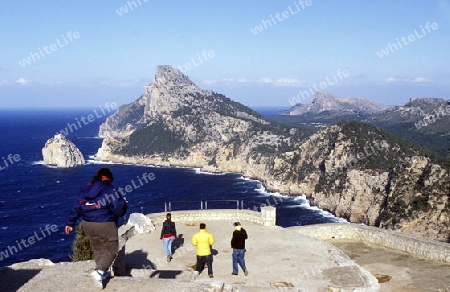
{"points": [[60, 152]]}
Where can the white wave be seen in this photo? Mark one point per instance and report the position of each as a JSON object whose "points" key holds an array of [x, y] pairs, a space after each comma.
{"points": [[327, 214], [94, 137], [94, 161], [199, 171], [41, 162]]}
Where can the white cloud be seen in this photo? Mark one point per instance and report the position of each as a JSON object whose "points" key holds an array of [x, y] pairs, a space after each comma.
{"points": [[21, 81], [290, 82], [408, 80], [4, 82], [218, 81], [421, 80], [265, 80]]}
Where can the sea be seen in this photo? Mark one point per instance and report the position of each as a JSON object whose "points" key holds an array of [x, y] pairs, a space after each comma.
{"points": [[35, 199]]}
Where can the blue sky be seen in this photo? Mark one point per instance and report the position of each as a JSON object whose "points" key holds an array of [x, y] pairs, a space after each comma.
{"points": [[86, 53]]}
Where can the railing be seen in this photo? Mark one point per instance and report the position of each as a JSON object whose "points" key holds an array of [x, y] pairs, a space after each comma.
{"points": [[203, 204]]}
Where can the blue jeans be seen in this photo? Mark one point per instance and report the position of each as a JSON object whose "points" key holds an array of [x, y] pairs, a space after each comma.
{"points": [[167, 242], [201, 261], [238, 258]]}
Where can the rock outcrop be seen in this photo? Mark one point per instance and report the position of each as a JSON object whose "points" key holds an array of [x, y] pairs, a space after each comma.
{"points": [[59, 151], [352, 169]]}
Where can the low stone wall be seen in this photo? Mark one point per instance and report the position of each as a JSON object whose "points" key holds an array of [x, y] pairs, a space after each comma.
{"points": [[266, 217], [429, 249]]}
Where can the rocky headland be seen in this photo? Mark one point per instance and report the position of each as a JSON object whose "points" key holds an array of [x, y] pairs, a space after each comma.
{"points": [[354, 170], [60, 152]]}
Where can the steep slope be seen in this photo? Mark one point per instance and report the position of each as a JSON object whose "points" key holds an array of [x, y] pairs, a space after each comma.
{"points": [[352, 169]]}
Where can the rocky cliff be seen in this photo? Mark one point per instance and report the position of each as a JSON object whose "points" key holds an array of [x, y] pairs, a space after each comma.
{"points": [[59, 151], [352, 169]]}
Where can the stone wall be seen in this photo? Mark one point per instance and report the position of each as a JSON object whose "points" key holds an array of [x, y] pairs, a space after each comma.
{"points": [[266, 217], [429, 249]]}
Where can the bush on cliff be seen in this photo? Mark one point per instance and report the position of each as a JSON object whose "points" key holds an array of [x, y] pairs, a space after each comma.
{"points": [[81, 247]]}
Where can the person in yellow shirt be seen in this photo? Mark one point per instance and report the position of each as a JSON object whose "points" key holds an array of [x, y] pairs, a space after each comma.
{"points": [[203, 240]]}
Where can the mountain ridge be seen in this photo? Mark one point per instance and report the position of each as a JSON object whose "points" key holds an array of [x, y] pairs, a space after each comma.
{"points": [[421, 120]]}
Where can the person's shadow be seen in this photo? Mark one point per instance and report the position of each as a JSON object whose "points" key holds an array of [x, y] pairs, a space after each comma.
{"points": [[177, 243]]}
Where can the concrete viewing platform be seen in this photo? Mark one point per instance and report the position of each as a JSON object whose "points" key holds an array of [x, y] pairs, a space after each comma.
{"points": [[278, 259]]}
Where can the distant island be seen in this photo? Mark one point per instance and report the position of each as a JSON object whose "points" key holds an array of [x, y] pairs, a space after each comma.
{"points": [[352, 169]]}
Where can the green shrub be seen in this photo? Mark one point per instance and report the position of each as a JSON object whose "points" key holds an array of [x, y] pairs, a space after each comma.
{"points": [[82, 250]]}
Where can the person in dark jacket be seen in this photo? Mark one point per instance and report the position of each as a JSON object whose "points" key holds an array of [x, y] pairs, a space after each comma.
{"points": [[238, 246], [168, 234], [99, 205]]}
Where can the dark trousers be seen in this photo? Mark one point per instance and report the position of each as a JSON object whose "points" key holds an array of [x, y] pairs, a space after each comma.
{"points": [[201, 261], [104, 241]]}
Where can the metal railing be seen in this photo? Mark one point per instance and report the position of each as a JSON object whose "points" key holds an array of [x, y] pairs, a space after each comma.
{"points": [[201, 205]]}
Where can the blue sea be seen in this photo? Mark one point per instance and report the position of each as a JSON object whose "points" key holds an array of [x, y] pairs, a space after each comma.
{"points": [[35, 199]]}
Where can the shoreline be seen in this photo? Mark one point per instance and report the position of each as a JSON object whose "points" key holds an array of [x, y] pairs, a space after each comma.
{"points": [[263, 191]]}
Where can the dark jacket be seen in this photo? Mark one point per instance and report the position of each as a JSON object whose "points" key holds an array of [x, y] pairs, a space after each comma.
{"points": [[98, 202], [238, 240], [168, 229]]}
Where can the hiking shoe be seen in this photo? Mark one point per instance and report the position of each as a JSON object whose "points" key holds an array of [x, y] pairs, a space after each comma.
{"points": [[98, 278], [211, 275], [234, 274], [169, 258], [245, 272]]}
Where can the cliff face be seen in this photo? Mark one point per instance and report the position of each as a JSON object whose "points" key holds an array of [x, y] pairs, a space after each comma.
{"points": [[354, 170], [61, 152]]}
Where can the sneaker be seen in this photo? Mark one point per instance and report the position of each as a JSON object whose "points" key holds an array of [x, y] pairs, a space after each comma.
{"points": [[106, 275], [211, 275], [169, 258], [98, 278], [245, 272], [196, 274], [234, 274]]}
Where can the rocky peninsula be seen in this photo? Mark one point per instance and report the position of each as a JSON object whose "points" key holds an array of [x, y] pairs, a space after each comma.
{"points": [[354, 170]]}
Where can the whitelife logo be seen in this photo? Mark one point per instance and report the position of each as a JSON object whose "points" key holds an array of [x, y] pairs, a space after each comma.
{"points": [[391, 48], [33, 57], [279, 17], [11, 250], [78, 124], [130, 6], [12, 158]]}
